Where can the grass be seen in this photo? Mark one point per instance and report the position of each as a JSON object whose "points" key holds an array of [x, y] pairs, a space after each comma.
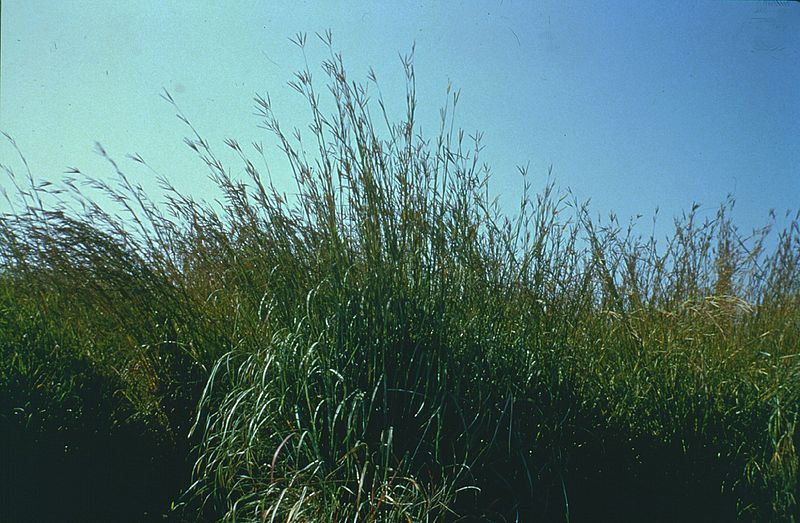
{"points": [[387, 344]]}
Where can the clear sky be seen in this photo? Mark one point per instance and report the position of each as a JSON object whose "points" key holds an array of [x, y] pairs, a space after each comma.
{"points": [[634, 104]]}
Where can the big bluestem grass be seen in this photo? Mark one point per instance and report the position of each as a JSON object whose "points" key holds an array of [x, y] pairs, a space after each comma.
{"points": [[388, 345]]}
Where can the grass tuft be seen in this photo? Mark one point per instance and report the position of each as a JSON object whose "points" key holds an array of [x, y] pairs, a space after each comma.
{"points": [[386, 344]]}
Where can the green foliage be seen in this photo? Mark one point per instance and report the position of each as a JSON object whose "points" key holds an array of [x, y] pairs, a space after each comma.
{"points": [[388, 345]]}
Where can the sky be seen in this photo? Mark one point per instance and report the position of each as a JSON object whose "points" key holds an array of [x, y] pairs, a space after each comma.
{"points": [[635, 105]]}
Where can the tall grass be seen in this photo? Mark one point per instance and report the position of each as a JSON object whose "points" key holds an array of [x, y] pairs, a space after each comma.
{"points": [[388, 345]]}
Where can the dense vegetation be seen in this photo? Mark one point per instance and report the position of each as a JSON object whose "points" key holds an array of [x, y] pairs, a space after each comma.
{"points": [[388, 345]]}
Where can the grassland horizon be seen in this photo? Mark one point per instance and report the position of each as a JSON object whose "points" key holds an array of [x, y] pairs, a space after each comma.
{"points": [[387, 344]]}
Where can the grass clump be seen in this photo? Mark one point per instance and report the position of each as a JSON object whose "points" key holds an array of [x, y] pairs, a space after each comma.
{"points": [[388, 345]]}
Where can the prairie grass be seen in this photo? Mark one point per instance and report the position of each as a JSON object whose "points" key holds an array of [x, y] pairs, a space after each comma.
{"points": [[388, 345]]}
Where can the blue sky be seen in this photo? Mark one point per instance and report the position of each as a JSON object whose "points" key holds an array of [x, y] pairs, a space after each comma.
{"points": [[634, 104]]}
